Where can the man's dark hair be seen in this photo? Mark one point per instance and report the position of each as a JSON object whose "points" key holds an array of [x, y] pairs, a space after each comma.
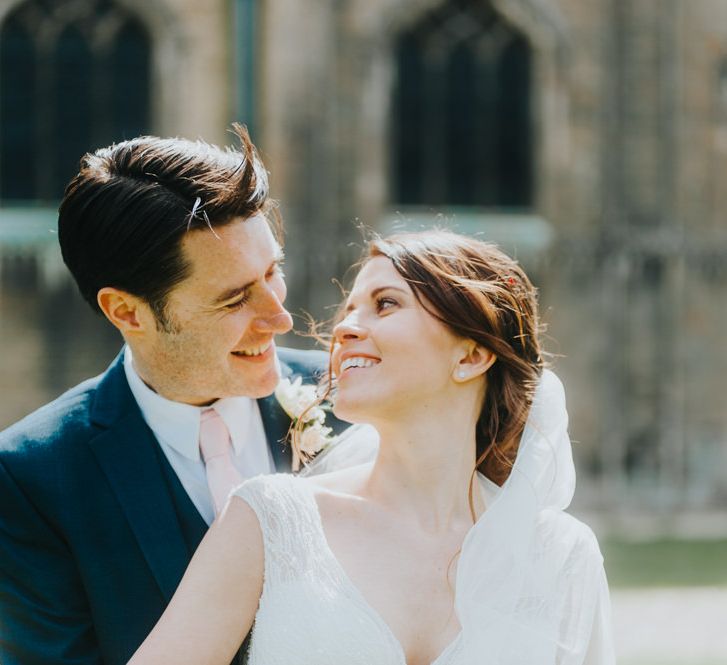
{"points": [[123, 217]]}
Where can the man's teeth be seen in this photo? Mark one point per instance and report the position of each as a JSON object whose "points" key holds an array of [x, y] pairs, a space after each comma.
{"points": [[256, 351], [357, 362]]}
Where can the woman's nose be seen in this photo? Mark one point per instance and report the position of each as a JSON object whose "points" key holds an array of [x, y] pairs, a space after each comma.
{"points": [[349, 329]]}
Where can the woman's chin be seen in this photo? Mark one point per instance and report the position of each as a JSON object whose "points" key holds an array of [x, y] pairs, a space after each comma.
{"points": [[352, 413]]}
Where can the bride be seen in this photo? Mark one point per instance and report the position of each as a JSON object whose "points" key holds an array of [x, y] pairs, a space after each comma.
{"points": [[451, 547]]}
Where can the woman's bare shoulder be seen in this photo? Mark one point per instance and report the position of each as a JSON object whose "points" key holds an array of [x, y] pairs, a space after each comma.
{"points": [[348, 481]]}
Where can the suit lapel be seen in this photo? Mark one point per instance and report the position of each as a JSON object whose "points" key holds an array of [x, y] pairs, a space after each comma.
{"points": [[126, 452], [276, 424]]}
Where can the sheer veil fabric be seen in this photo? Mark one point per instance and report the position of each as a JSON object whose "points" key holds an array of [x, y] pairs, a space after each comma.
{"points": [[530, 585]]}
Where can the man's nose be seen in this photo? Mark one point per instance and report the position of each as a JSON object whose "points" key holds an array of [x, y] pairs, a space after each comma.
{"points": [[273, 317]]}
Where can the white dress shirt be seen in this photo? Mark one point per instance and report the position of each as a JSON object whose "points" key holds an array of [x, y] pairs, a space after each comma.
{"points": [[176, 427]]}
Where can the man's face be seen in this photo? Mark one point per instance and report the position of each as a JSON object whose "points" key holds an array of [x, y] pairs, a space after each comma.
{"points": [[223, 318]]}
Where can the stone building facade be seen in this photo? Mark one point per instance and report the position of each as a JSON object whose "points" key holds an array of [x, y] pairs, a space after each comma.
{"points": [[622, 227]]}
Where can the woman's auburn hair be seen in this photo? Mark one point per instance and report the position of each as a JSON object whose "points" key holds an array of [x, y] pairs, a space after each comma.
{"points": [[482, 294]]}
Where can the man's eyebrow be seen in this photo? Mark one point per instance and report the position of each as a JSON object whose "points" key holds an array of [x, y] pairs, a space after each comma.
{"points": [[239, 290], [375, 292]]}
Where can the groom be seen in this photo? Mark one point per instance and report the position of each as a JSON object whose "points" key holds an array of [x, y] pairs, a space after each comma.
{"points": [[105, 492]]}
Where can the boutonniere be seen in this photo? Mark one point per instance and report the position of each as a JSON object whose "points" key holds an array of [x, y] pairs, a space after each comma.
{"points": [[302, 404]]}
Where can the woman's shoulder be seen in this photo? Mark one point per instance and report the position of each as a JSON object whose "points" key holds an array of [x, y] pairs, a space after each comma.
{"points": [[273, 497], [267, 488], [339, 495], [284, 492], [345, 481], [572, 537], [282, 505]]}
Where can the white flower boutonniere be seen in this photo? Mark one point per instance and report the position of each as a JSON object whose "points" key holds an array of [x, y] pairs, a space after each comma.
{"points": [[300, 402]]}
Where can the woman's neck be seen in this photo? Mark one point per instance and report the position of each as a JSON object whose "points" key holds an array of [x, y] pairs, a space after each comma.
{"points": [[424, 468]]}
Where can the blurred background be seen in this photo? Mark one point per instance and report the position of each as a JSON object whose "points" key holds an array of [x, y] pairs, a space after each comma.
{"points": [[586, 137]]}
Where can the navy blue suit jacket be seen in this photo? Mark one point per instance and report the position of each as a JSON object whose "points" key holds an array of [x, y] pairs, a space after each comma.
{"points": [[95, 529]]}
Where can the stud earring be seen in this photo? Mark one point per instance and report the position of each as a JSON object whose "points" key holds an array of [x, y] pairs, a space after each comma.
{"points": [[461, 374]]}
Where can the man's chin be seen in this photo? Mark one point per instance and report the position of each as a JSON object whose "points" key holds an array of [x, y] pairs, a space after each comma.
{"points": [[262, 385]]}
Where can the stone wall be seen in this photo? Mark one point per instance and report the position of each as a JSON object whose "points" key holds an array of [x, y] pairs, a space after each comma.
{"points": [[630, 116]]}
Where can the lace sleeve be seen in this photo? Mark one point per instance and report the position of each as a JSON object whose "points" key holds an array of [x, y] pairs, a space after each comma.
{"points": [[281, 505]]}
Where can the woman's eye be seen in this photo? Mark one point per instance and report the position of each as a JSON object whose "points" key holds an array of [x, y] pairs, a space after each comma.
{"points": [[385, 303]]}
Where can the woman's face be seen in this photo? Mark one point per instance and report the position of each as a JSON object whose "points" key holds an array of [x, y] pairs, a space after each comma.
{"points": [[392, 358]]}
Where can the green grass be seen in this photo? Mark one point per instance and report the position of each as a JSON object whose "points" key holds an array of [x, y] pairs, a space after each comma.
{"points": [[636, 661], [663, 563]]}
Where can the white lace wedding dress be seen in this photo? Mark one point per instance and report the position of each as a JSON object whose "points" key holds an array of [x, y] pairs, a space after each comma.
{"points": [[530, 587], [310, 612]]}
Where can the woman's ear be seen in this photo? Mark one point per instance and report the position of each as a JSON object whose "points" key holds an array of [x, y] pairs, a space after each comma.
{"points": [[474, 363]]}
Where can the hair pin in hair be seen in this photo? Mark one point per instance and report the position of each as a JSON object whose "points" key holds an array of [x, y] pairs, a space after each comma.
{"points": [[197, 207]]}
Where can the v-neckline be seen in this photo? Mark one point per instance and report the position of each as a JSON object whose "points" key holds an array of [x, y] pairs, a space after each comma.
{"points": [[365, 605]]}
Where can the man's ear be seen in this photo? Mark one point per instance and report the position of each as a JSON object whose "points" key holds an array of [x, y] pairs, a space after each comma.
{"points": [[474, 363], [125, 311]]}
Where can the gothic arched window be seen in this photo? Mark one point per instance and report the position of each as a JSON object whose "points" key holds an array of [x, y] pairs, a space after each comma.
{"points": [[73, 76], [461, 125]]}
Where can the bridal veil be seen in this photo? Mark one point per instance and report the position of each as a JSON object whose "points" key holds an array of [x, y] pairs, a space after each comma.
{"points": [[530, 585]]}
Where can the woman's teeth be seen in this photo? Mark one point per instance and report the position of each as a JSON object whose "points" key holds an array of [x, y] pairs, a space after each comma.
{"points": [[358, 362]]}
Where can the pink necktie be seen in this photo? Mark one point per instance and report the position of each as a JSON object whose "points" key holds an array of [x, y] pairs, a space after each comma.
{"points": [[216, 448]]}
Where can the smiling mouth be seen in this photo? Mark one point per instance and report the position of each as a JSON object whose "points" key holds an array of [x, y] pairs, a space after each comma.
{"points": [[254, 351], [357, 362]]}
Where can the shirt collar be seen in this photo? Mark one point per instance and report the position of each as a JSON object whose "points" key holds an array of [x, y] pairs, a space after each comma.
{"points": [[177, 424]]}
